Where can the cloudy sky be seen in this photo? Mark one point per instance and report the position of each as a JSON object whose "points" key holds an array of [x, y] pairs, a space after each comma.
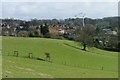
{"points": [[60, 10]]}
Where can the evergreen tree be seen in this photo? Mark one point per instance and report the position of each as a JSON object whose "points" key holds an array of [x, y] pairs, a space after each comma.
{"points": [[44, 30]]}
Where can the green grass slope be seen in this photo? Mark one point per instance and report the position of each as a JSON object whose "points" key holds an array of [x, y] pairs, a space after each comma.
{"points": [[68, 60]]}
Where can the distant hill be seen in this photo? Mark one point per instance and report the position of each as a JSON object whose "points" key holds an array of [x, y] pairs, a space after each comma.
{"points": [[107, 22]]}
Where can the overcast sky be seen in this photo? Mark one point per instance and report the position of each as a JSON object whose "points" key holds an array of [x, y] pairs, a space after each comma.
{"points": [[60, 10]]}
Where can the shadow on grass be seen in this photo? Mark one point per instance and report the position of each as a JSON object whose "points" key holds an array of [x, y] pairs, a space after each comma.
{"points": [[36, 58], [75, 47], [40, 59], [72, 46]]}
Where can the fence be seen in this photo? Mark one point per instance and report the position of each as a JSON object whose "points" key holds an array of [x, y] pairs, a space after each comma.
{"points": [[66, 63]]}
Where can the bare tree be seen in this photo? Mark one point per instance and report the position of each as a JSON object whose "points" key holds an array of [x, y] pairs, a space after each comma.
{"points": [[85, 36]]}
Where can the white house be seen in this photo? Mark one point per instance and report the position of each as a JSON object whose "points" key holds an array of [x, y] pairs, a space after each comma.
{"points": [[61, 31]]}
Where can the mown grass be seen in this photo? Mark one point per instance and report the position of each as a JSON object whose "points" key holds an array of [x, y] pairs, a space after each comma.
{"points": [[67, 60]]}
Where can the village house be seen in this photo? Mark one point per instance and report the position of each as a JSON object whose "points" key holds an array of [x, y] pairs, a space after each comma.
{"points": [[110, 32], [60, 29]]}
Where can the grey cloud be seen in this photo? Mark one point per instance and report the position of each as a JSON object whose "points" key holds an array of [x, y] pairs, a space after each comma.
{"points": [[60, 10]]}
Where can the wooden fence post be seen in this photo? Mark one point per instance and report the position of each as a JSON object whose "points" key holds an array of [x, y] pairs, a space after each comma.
{"points": [[102, 68], [15, 53], [30, 55]]}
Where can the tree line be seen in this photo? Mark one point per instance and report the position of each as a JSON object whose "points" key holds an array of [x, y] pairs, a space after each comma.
{"points": [[97, 32]]}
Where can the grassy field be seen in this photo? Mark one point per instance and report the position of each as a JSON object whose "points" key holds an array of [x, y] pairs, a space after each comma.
{"points": [[68, 60]]}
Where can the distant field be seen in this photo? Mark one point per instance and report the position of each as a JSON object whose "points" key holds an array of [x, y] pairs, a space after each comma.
{"points": [[68, 60]]}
